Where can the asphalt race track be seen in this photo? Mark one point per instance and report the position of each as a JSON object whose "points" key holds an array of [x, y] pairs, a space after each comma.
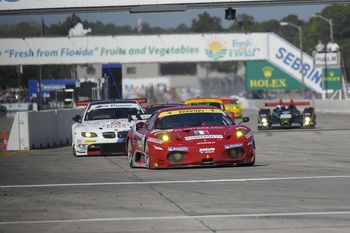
{"points": [[301, 183]]}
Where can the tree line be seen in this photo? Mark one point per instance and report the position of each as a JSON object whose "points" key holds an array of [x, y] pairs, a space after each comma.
{"points": [[313, 30]]}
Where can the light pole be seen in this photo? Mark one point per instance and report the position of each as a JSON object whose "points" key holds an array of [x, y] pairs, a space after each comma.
{"points": [[301, 52], [330, 21]]}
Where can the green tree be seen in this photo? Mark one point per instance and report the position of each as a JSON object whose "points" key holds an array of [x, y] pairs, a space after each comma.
{"points": [[243, 23], [206, 23], [24, 29], [62, 29], [291, 33]]}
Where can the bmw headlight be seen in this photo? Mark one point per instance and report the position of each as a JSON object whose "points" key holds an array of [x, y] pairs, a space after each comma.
{"points": [[88, 134], [241, 133], [164, 137]]}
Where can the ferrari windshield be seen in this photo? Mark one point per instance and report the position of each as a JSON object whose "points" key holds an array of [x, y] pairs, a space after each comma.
{"points": [[193, 120], [153, 108], [110, 113]]}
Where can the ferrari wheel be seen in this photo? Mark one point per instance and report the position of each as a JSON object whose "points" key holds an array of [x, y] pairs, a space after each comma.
{"points": [[147, 157], [131, 163], [247, 164]]}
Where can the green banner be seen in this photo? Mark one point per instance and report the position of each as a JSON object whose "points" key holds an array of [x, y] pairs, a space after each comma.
{"points": [[262, 75], [331, 79]]}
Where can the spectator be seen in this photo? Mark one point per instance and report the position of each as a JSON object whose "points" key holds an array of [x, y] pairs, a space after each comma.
{"points": [[319, 47], [332, 46]]}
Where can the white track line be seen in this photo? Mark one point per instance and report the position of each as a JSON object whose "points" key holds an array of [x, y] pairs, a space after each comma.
{"points": [[177, 217], [175, 181]]}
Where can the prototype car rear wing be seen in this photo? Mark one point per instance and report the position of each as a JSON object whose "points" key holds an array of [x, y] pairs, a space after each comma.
{"points": [[291, 102]]}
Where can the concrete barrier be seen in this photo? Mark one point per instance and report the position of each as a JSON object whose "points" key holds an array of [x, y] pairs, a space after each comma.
{"points": [[18, 106], [44, 129]]}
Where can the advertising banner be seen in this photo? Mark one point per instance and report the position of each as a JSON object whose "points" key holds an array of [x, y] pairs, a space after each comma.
{"points": [[288, 58], [331, 79], [133, 49], [262, 75], [330, 59]]}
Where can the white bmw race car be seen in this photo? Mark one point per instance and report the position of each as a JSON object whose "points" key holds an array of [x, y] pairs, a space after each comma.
{"points": [[103, 128]]}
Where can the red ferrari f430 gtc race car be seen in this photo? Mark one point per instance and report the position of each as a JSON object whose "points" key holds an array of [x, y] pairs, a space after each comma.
{"points": [[190, 136]]}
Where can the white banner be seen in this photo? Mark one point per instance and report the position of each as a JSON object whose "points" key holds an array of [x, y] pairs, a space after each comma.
{"points": [[133, 49], [329, 59], [288, 58]]}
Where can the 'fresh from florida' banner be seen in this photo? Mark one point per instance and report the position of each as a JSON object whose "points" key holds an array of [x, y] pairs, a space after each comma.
{"points": [[133, 49]]}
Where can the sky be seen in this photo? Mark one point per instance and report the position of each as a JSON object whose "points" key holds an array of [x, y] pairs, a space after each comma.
{"points": [[173, 19]]}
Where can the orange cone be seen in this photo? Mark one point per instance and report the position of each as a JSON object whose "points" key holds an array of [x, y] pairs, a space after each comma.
{"points": [[5, 139]]}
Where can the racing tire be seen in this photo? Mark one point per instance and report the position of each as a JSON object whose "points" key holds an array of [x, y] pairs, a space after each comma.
{"points": [[129, 151], [147, 157], [247, 164], [74, 151]]}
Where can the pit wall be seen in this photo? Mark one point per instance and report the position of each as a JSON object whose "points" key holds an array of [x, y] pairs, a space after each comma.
{"points": [[44, 129]]}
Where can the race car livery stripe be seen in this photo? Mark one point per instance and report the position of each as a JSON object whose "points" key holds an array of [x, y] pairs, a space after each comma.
{"points": [[187, 111]]}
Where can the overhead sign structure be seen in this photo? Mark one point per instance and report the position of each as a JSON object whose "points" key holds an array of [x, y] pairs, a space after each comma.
{"points": [[133, 49], [138, 6]]}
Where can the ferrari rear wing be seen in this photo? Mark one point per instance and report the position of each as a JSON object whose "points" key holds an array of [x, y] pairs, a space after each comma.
{"points": [[291, 102]]}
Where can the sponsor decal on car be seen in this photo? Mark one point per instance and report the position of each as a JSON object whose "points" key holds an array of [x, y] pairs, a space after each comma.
{"points": [[178, 149], [201, 132], [207, 150], [286, 116], [90, 141], [168, 113], [113, 106], [203, 137], [233, 145], [200, 143], [155, 140]]}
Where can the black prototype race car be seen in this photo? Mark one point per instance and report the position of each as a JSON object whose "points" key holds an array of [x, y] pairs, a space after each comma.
{"points": [[286, 115]]}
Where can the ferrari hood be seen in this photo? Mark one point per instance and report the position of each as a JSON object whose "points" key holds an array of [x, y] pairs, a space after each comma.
{"points": [[212, 133]]}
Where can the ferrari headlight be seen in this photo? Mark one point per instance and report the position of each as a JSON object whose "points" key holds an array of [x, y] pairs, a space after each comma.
{"points": [[89, 134], [164, 137], [241, 133]]}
